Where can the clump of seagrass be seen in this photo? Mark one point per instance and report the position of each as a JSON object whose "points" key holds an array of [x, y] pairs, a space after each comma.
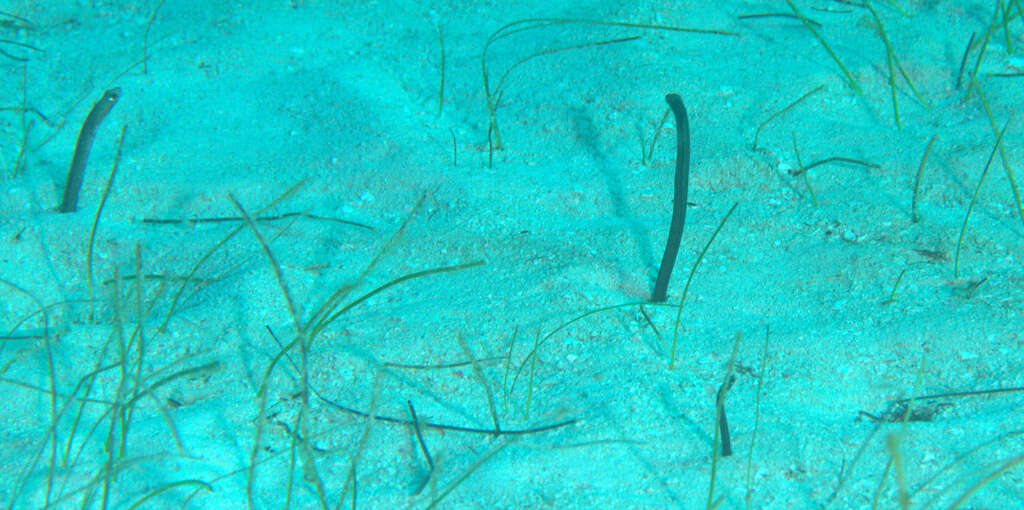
{"points": [[493, 90], [93, 417], [306, 331]]}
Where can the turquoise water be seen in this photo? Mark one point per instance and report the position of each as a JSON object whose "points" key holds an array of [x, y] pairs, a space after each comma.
{"points": [[451, 216]]}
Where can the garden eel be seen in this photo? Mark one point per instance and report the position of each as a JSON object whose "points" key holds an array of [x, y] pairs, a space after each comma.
{"points": [[85, 137]]}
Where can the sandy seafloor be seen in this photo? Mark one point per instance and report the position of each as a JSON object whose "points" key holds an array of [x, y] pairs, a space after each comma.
{"points": [[250, 98]]}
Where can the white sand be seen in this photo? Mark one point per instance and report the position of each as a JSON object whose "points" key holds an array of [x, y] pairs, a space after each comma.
{"points": [[248, 98]]}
